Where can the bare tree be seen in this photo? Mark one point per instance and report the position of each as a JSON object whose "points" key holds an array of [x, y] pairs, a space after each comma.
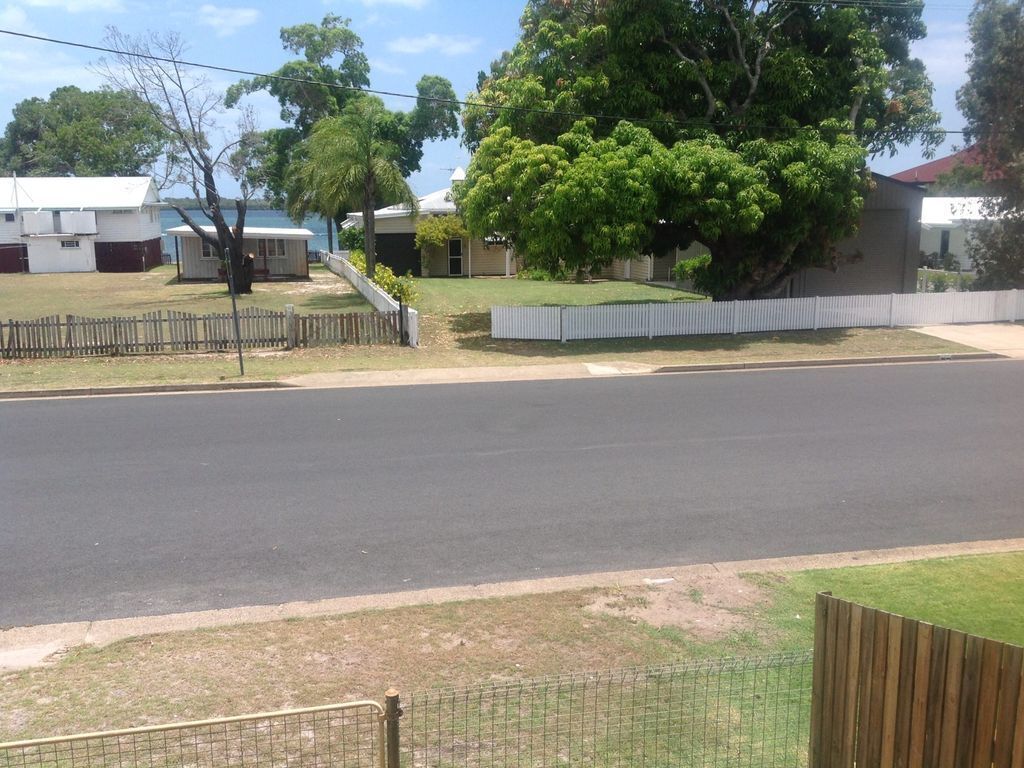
{"points": [[182, 100]]}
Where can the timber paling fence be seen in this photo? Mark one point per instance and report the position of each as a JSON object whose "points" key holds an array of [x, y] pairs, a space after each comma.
{"points": [[174, 331], [611, 321], [737, 713]]}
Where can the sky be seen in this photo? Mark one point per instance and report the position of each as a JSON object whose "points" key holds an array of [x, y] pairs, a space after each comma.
{"points": [[403, 39]]}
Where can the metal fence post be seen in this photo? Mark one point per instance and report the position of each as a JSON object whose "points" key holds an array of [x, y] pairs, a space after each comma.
{"points": [[817, 301], [735, 316], [650, 327], [289, 326], [392, 713], [892, 310], [1013, 305], [561, 324]]}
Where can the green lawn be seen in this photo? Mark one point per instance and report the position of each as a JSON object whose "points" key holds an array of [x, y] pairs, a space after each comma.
{"points": [[303, 662], [456, 296], [96, 294]]}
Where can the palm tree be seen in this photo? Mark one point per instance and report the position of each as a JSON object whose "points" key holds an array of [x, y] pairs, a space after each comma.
{"points": [[348, 163]]}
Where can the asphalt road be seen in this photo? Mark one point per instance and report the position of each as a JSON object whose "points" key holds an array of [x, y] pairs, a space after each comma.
{"points": [[121, 506]]}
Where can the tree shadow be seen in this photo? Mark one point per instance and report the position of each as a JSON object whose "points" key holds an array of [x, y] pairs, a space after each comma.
{"points": [[472, 332]]}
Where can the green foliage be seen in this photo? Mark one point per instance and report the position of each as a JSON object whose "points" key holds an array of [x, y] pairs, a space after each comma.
{"points": [[760, 121], [436, 231], [939, 283], [347, 163], [990, 101], [321, 84], [962, 180], [399, 288], [542, 275], [689, 269], [351, 238], [82, 133]]}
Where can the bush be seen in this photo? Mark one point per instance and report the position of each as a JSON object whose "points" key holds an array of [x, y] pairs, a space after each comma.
{"points": [[537, 273], [350, 239], [939, 283], [398, 288], [688, 269]]}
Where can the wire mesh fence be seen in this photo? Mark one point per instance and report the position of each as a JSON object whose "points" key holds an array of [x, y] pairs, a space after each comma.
{"points": [[751, 712], [342, 736]]}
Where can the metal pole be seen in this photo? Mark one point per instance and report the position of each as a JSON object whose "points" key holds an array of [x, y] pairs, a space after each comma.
{"points": [[234, 311], [401, 323], [392, 711]]}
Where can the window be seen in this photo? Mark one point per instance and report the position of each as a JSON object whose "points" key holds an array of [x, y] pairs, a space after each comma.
{"points": [[208, 252], [123, 212], [69, 244], [943, 243], [8, 217], [273, 248]]}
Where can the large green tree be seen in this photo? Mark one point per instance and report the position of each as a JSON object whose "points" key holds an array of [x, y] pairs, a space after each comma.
{"points": [[82, 133], [766, 111], [329, 75], [349, 161], [993, 103]]}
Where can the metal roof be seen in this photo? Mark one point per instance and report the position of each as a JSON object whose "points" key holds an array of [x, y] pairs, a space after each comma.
{"points": [[281, 233], [951, 212], [60, 193]]}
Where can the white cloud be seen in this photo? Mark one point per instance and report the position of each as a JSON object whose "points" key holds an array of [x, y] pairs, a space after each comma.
{"points": [[381, 65], [78, 6], [446, 45], [226, 21], [944, 53]]}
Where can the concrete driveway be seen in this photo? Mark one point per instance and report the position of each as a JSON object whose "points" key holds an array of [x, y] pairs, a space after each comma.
{"points": [[1002, 338]]}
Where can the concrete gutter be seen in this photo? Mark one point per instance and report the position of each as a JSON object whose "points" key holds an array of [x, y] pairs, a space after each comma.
{"points": [[23, 647], [482, 374]]}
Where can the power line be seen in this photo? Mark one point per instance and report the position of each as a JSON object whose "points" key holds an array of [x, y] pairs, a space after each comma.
{"points": [[435, 100]]}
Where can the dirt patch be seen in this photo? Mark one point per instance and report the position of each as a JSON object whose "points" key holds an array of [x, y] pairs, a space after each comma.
{"points": [[708, 606]]}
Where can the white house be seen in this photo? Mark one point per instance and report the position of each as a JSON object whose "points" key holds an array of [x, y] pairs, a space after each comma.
{"points": [[395, 228], [66, 224], [946, 224], [279, 252]]}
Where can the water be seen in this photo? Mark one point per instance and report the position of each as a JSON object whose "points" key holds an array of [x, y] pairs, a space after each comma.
{"points": [[315, 224]]}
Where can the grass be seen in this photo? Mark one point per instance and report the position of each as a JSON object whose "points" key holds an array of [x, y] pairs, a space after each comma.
{"points": [[300, 662], [455, 330], [99, 294]]}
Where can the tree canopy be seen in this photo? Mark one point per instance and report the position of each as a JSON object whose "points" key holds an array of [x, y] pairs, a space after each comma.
{"points": [[991, 101], [330, 73], [82, 133], [350, 162], [619, 127]]}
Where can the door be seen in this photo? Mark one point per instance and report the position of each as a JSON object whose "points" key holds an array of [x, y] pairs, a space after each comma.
{"points": [[454, 257]]}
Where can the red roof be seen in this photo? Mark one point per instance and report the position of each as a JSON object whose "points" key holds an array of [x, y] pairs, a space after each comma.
{"points": [[927, 173]]}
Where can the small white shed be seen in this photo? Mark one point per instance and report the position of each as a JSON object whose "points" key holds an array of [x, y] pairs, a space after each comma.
{"points": [[279, 252]]}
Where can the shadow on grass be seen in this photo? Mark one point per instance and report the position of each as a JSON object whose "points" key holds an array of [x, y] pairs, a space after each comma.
{"points": [[472, 331], [341, 302]]}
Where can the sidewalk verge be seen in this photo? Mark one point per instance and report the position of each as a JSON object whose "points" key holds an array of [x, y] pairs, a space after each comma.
{"points": [[483, 374]]}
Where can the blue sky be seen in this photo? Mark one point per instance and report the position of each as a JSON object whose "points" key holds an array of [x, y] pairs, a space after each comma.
{"points": [[404, 39]]}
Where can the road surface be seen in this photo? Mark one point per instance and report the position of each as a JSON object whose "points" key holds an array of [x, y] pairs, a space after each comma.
{"points": [[123, 506]]}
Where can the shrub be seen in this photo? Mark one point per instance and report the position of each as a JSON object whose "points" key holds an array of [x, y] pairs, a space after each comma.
{"points": [[688, 269], [399, 288], [940, 283], [538, 273]]}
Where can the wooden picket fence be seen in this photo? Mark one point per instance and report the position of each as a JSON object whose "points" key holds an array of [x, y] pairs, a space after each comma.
{"points": [[892, 691], [175, 331]]}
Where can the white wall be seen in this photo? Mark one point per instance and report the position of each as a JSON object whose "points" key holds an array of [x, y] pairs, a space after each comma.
{"points": [[10, 231], [931, 239], [136, 226], [46, 255]]}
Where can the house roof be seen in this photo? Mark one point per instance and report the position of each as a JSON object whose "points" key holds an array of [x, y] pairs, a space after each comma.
{"points": [[67, 193], [951, 212], [280, 233], [928, 172], [436, 203]]}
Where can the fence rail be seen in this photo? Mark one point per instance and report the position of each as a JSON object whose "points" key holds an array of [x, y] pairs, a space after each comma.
{"points": [[174, 331], [339, 264], [704, 317], [349, 735], [739, 713], [747, 712]]}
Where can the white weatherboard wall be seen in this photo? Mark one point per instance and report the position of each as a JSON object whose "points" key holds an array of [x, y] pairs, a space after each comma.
{"points": [[687, 319], [45, 254], [340, 265]]}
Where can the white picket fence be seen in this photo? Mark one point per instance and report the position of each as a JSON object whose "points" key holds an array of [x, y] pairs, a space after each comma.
{"points": [[615, 321], [339, 264]]}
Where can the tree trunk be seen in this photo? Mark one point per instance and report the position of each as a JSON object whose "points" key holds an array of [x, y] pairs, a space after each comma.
{"points": [[369, 227], [766, 280], [330, 235]]}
